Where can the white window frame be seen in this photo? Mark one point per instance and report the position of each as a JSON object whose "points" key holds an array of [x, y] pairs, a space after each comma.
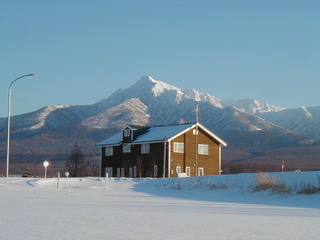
{"points": [[126, 148], [178, 147], [178, 169], [200, 171], [203, 149], [108, 151], [145, 148]]}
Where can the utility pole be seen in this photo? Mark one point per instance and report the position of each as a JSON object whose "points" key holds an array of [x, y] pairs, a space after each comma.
{"points": [[164, 157], [196, 140]]}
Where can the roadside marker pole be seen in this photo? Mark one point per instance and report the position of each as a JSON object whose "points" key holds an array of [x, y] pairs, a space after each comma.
{"points": [[282, 168], [107, 181], [58, 180], [67, 175]]}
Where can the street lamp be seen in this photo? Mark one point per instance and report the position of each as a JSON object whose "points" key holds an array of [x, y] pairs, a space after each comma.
{"points": [[45, 164], [9, 109]]}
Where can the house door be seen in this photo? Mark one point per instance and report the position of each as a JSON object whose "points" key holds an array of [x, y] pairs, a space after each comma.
{"points": [[109, 171], [188, 171], [200, 171]]}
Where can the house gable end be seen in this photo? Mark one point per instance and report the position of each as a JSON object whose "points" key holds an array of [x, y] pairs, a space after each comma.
{"points": [[211, 134]]}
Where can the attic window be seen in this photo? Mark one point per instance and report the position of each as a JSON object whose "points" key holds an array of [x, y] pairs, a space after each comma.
{"points": [[127, 133]]}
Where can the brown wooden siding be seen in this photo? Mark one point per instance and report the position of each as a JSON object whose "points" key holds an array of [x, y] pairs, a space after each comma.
{"points": [[144, 162], [209, 162]]}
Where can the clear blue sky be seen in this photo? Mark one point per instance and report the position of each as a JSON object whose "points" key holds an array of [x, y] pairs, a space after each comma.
{"points": [[84, 50]]}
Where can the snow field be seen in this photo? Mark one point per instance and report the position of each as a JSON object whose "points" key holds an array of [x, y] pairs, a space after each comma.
{"points": [[177, 208]]}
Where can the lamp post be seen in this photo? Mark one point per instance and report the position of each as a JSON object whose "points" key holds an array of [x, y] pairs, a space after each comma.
{"points": [[45, 164], [9, 110]]}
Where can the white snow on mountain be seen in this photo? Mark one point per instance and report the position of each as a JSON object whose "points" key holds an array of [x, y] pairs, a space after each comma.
{"points": [[203, 97], [147, 85], [307, 113], [44, 114], [251, 106], [149, 101], [132, 111], [303, 120]]}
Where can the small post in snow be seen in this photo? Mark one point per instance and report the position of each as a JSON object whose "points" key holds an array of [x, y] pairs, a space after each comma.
{"points": [[107, 182], [58, 180], [282, 167], [67, 175]]}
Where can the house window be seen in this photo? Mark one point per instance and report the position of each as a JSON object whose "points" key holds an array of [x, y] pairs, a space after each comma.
{"points": [[200, 171], [203, 149], [118, 172], [145, 148], [130, 172], [109, 151], [108, 170], [127, 133], [126, 148], [188, 171], [178, 169], [178, 147]]}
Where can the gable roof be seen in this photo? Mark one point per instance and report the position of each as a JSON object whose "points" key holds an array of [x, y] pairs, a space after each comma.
{"points": [[157, 134]]}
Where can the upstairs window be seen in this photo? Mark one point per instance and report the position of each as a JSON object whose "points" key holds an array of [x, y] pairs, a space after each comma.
{"points": [[203, 149], [127, 133], [108, 151], [126, 148], [145, 148], [178, 147]]}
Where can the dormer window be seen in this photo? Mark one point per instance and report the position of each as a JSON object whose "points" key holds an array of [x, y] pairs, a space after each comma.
{"points": [[127, 133]]}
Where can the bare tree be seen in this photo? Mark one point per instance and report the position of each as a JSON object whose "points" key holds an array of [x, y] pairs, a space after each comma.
{"points": [[76, 163], [139, 166]]}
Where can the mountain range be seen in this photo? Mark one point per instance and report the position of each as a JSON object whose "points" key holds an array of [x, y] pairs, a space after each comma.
{"points": [[255, 131]]}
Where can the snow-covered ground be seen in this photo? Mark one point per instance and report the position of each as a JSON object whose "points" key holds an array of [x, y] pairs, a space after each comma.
{"points": [[211, 207]]}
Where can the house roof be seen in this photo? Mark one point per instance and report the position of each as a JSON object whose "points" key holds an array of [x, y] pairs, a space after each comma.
{"points": [[157, 134]]}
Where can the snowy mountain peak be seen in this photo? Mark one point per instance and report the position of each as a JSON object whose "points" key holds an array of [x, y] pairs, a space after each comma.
{"points": [[158, 86], [202, 97], [147, 85]]}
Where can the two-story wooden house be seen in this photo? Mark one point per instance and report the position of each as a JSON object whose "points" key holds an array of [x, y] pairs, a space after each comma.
{"points": [[161, 151]]}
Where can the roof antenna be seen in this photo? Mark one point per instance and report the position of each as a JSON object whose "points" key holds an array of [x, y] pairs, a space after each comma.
{"points": [[197, 113]]}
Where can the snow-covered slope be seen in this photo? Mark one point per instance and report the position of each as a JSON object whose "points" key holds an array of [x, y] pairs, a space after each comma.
{"points": [[243, 123], [303, 120], [251, 106]]}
